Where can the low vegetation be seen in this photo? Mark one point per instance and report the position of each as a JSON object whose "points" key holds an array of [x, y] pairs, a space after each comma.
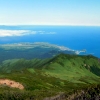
{"points": [[63, 74]]}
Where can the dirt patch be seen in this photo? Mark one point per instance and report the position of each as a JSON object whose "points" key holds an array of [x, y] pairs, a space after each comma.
{"points": [[11, 83]]}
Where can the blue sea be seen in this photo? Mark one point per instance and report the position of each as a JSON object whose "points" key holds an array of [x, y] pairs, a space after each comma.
{"points": [[73, 37]]}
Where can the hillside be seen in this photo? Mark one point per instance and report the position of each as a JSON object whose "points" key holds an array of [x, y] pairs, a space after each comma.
{"points": [[73, 67], [63, 74]]}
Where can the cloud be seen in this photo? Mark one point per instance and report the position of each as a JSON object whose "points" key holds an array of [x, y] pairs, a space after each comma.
{"points": [[4, 33], [43, 32], [51, 33]]}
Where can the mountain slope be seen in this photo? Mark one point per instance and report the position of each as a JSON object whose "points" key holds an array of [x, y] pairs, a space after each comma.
{"points": [[64, 75], [72, 68]]}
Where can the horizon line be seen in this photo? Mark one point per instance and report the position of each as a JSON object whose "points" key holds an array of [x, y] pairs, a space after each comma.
{"points": [[45, 25]]}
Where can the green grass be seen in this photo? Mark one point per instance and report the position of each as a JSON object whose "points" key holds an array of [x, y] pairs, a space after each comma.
{"points": [[31, 70], [48, 77], [72, 69]]}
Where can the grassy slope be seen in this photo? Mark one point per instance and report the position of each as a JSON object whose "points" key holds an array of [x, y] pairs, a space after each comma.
{"points": [[37, 85], [74, 68], [43, 78]]}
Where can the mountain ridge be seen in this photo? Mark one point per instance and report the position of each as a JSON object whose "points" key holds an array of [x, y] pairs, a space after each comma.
{"points": [[47, 78], [61, 64]]}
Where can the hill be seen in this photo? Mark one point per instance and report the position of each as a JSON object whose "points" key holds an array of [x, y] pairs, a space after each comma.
{"points": [[73, 67], [63, 66], [63, 74]]}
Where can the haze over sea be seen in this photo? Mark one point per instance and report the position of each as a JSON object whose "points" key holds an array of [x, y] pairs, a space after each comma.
{"points": [[73, 37]]}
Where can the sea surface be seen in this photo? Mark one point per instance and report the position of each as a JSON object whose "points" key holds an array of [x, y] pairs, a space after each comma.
{"points": [[73, 37]]}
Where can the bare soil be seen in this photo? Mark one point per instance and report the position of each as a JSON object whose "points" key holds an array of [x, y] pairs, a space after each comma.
{"points": [[11, 83]]}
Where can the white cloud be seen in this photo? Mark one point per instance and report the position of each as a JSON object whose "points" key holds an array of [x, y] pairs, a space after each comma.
{"points": [[4, 33], [43, 32], [51, 33]]}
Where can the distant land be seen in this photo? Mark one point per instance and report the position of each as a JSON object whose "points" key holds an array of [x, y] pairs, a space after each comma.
{"points": [[33, 50]]}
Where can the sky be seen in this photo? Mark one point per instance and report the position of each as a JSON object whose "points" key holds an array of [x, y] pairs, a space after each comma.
{"points": [[50, 12]]}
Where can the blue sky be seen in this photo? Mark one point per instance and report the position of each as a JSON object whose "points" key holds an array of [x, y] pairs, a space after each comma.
{"points": [[50, 12]]}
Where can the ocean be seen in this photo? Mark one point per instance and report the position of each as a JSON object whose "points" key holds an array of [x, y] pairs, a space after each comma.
{"points": [[73, 37]]}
